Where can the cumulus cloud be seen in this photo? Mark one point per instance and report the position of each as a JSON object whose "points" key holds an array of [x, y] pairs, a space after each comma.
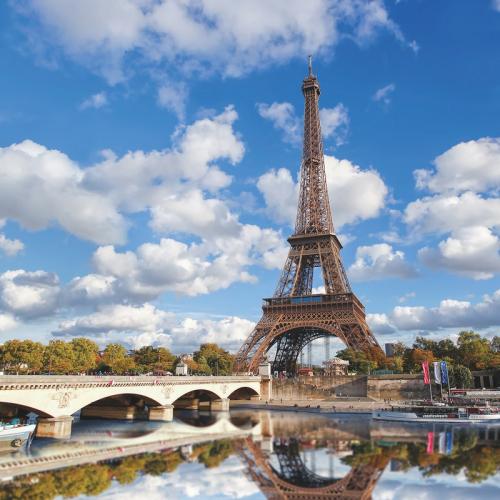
{"points": [[52, 189], [10, 247], [467, 166], [29, 294], [283, 117], [470, 251], [117, 318], [464, 205], [384, 94], [334, 123], [95, 101], [190, 269], [450, 313], [378, 262], [355, 194], [173, 96], [199, 37], [137, 326], [496, 5], [7, 322], [91, 202]]}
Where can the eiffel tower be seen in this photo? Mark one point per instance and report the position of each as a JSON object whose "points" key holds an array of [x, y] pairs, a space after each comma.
{"points": [[295, 316]]}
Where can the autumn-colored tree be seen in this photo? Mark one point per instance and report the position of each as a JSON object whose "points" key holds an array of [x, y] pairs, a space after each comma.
{"points": [[116, 359], [218, 360], [86, 353], [149, 358], [22, 356], [474, 351], [414, 358], [59, 357]]}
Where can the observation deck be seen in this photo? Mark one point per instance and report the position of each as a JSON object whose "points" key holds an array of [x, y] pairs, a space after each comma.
{"points": [[315, 302]]}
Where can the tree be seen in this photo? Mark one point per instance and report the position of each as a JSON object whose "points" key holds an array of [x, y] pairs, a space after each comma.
{"points": [[149, 358], [59, 357], [22, 356], [460, 376], [495, 344], [474, 352], [116, 358], [359, 361], [86, 353], [219, 361], [414, 358]]}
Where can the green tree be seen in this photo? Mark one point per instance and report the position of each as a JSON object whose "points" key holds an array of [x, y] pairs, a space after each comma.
{"points": [[22, 356], [116, 358], [86, 353], [219, 361], [58, 357], [149, 358], [495, 344], [460, 376], [359, 361], [414, 358], [474, 352]]}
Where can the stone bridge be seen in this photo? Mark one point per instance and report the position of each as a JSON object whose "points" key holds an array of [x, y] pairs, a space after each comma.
{"points": [[56, 398]]}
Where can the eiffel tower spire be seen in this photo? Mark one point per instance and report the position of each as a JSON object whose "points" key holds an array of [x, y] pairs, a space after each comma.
{"points": [[294, 316], [314, 215]]}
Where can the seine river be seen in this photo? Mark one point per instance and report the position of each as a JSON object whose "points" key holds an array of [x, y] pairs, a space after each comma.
{"points": [[258, 454]]}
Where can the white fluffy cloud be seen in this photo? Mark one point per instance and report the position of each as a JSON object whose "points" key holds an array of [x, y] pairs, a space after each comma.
{"points": [[173, 96], [471, 251], [7, 322], [190, 269], [449, 314], [10, 247], [29, 294], [334, 123], [147, 325], [378, 262], [283, 117], [464, 205], [355, 194], [496, 5], [468, 166], [52, 190], [117, 318], [95, 101], [384, 94], [196, 36], [91, 202]]}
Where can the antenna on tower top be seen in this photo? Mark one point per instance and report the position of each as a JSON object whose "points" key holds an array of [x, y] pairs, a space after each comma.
{"points": [[310, 65]]}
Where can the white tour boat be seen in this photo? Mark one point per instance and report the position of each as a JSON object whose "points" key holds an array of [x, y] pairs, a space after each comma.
{"points": [[15, 436], [440, 412]]}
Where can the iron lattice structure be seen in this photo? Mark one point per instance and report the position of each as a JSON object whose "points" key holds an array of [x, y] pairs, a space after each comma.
{"points": [[295, 316], [293, 480]]}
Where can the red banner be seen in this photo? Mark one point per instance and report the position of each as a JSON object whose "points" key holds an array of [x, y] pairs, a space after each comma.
{"points": [[430, 439], [425, 367]]}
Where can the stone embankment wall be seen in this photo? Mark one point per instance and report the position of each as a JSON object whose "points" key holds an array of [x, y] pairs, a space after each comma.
{"points": [[396, 387]]}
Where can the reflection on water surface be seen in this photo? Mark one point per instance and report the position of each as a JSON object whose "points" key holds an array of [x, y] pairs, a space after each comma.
{"points": [[258, 455]]}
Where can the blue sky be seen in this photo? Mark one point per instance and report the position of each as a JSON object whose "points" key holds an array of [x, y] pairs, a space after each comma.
{"points": [[149, 153]]}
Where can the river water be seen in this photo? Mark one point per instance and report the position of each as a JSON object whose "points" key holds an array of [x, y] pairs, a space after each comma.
{"points": [[258, 454]]}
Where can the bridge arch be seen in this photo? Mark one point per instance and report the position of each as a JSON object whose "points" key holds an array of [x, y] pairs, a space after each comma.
{"points": [[291, 340], [244, 392]]}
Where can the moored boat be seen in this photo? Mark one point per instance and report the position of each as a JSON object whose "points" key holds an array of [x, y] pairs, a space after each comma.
{"points": [[15, 435], [440, 412]]}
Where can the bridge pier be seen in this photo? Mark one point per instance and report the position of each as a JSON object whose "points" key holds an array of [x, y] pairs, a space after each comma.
{"points": [[54, 427], [129, 412], [220, 405], [162, 413]]}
